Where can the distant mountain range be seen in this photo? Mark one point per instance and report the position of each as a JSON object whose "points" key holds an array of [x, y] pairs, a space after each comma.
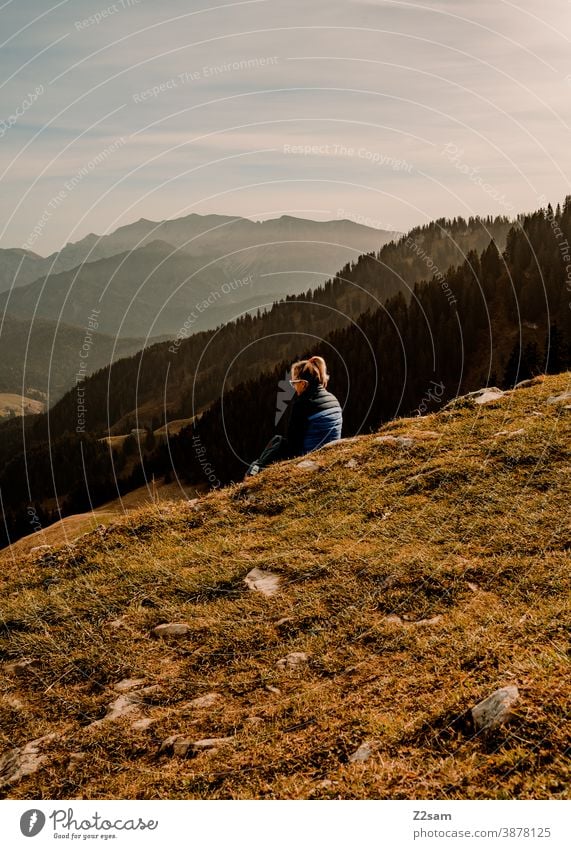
{"points": [[41, 358], [188, 274]]}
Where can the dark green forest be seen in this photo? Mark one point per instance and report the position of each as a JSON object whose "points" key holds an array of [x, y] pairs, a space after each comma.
{"points": [[452, 306]]}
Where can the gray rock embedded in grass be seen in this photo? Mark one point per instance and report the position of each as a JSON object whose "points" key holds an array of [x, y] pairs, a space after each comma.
{"points": [[495, 710], [308, 466], [479, 396], [205, 701], [128, 684], [171, 629], [23, 760], [362, 754], [565, 397], [293, 660], [178, 744], [394, 441], [262, 581]]}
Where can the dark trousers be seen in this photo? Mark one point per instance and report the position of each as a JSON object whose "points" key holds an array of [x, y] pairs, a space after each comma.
{"points": [[276, 449]]}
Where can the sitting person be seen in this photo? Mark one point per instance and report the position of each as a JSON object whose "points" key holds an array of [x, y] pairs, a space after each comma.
{"points": [[315, 416]]}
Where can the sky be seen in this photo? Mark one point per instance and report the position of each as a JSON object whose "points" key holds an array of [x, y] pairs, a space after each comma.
{"points": [[386, 113]]}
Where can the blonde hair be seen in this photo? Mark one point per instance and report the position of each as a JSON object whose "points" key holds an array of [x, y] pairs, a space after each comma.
{"points": [[314, 370]]}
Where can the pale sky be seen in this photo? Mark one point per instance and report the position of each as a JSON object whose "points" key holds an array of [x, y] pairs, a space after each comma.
{"points": [[389, 113]]}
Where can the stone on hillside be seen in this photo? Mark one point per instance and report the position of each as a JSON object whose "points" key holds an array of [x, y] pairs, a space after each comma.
{"points": [[128, 684], [22, 667], [394, 619], [262, 581], [394, 441], [171, 629], [308, 466], [142, 724], [122, 706], [178, 744], [362, 754], [293, 660], [479, 396], [531, 381], [495, 710], [37, 549], [24, 760], [347, 440], [205, 701], [559, 399], [491, 393], [351, 464], [509, 433]]}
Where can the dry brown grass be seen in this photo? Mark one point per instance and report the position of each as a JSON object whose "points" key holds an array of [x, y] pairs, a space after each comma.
{"points": [[466, 526]]}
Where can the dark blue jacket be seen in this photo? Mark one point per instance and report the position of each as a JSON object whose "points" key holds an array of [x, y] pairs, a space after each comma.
{"points": [[315, 419]]}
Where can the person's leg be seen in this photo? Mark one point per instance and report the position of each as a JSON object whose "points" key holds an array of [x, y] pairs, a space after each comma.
{"points": [[275, 450]]}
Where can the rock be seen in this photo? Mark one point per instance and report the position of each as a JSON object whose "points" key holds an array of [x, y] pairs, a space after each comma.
{"points": [[37, 549], [205, 701], [22, 667], [142, 724], [394, 619], [262, 581], [293, 660], [122, 706], [271, 689], [345, 441], [362, 754], [509, 433], [23, 760], [308, 466], [531, 381], [491, 393], [495, 710], [479, 396], [121, 622], [351, 464], [171, 629], [128, 684], [559, 399], [181, 746]]}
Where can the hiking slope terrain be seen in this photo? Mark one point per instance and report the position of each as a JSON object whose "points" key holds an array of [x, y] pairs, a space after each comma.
{"points": [[322, 630]]}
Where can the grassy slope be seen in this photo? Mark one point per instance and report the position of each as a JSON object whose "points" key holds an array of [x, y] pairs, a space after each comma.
{"points": [[464, 525]]}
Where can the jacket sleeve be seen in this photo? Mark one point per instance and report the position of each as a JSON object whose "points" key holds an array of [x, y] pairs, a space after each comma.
{"points": [[296, 427]]}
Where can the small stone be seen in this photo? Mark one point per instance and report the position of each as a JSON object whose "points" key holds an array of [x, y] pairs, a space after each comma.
{"points": [[351, 464], [509, 433], [128, 684], [142, 724], [122, 706], [293, 660], [40, 548], [265, 582], [308, 466], [22, 667], [205, 701], [118, 623], [393, 619], [182, 746], [271, 689], [531, 381], [171, 629], [559, 399], [395, 441], [362, 754], [495, 710], [491, 393]]}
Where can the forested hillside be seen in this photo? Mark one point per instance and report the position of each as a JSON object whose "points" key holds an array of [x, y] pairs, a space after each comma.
{"points": [[456, 330]]}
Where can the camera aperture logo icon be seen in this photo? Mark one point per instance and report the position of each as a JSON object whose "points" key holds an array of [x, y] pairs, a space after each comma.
{"points": [[32, 822]]}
